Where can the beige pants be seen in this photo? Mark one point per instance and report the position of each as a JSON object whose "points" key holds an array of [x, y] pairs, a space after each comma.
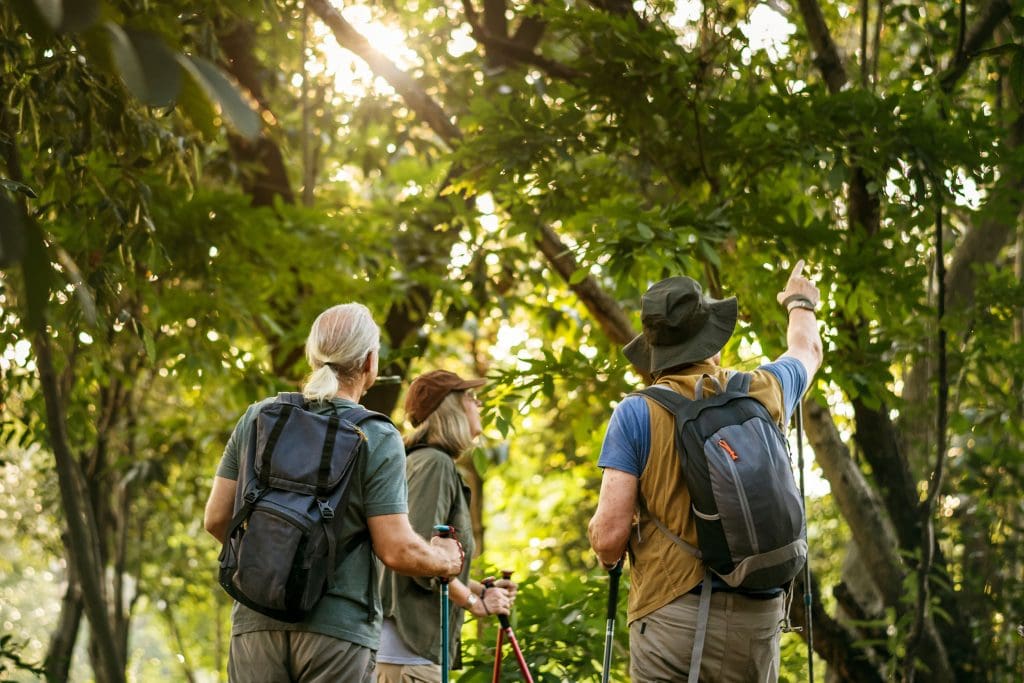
{"points": [[741, 646], [399, 673], [297, 657]]}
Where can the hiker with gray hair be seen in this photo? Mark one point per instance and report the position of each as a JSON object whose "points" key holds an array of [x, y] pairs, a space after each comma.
{"points": [[338, 639], [644, 508]]}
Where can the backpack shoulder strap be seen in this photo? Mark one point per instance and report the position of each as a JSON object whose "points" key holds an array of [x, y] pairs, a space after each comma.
{"points": [[739, 382], [693, 550], [666, 398], [358, 415], [294, 398]]}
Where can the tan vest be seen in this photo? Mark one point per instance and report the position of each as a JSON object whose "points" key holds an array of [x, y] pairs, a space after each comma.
{"points": [[661, 571]]}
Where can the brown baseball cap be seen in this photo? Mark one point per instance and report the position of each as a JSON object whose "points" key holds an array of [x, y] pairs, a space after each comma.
{"points": [[427, 391]]}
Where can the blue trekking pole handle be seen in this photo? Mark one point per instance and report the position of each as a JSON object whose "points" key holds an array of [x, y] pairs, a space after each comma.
{"points": [[444, 531]]}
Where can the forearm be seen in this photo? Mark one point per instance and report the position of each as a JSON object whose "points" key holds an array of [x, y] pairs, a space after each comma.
{"points": [[460, 592], [414, 557], [402, 550], [609, 542], [803, 340]]}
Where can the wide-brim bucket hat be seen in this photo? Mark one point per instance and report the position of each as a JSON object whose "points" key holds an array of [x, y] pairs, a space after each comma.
{"points": [[681, 326]]}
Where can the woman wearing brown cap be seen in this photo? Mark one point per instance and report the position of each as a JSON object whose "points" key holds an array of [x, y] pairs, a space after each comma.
{"points": [[445, 415]]}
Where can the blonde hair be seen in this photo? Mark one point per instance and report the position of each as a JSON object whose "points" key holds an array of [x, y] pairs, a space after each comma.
{"points": [[446, 428], [337, 346]]}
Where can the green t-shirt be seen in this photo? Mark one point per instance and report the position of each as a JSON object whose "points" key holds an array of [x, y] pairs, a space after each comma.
{"points": [[378, 487]]}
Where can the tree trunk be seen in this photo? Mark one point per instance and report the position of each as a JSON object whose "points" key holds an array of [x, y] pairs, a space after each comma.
{"points": [[63, 638], [82, 533]]}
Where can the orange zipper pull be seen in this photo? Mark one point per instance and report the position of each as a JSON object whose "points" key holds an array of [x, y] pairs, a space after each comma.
{"points": [[728, 449]]}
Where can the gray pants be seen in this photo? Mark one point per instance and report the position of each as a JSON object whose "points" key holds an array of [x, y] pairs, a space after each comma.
{"points": [[298, 657], [742, 643]]}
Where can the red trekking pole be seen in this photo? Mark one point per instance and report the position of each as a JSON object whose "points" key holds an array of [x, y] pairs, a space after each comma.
{"points": [[506, 630]]}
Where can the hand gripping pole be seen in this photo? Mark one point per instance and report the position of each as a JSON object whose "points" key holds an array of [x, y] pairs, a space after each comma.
{"points": [[506, 632]]}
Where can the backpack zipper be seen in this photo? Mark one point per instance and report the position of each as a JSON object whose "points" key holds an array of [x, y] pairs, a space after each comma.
{"points": [[744, 505]]}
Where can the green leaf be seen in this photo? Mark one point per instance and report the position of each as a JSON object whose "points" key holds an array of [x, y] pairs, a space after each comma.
{"points": [[147, 342], [194, 101], [997, 50], [579, 276], [73, 274], [710, 254], [221, 90], [12, 242], [1016, 75], [36, 22], [149, 69], [479, 459], [15, 186], [125, 60], [645, 231], [78, 14], [38, 273]]}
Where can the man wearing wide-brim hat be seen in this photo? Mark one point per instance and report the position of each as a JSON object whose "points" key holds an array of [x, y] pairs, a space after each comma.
{"points": [[684, 331]]}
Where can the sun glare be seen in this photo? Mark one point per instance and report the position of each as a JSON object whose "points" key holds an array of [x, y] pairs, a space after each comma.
{"points": [[352, 77]]}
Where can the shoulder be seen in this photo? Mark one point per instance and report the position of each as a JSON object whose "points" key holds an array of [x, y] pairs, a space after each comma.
{"points": [[787, 373], [431, 458], [632, 407], [249, 416]]}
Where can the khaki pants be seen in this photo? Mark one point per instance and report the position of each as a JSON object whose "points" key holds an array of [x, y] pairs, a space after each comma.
{"points": [[297, 657], [401, 673], [741, 646]]}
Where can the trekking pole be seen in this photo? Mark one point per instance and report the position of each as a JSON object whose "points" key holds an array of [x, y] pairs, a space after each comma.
{"points": [[506, 628], [496, 674], [609, 632], [808, 619], [444, 531]]}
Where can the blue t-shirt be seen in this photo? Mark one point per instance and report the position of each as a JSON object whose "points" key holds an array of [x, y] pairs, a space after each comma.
{"points": [[628, 440]]}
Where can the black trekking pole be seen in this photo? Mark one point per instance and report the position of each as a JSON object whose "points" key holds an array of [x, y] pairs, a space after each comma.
{"points": [[614, 574], [808, 620], [444, 531]]}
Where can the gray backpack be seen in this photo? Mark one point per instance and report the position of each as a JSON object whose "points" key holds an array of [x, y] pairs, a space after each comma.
{"points": [[281, 549], [746, 505]]}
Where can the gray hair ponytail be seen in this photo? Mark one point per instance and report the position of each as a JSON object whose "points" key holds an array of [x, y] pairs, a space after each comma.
{"points": [[336, 348]]}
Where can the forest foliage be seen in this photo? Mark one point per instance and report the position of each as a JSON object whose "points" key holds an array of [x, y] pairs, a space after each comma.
{"points": [[184, 185]]}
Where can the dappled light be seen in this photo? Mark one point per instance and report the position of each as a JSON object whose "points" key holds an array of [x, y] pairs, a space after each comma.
{"points": [[185, 186]]}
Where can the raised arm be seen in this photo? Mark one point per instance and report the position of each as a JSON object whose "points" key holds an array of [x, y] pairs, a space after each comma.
{"points": [[800, 298]]}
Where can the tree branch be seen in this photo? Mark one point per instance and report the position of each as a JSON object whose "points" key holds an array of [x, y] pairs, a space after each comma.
{"points": [[513, 49], [826, 54], [834, 642], [980, 34], [871, 527], [605, 309], [265, 176], [529, 32], [876, 437], [412, 92], [82, 534], [980, 245]]}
